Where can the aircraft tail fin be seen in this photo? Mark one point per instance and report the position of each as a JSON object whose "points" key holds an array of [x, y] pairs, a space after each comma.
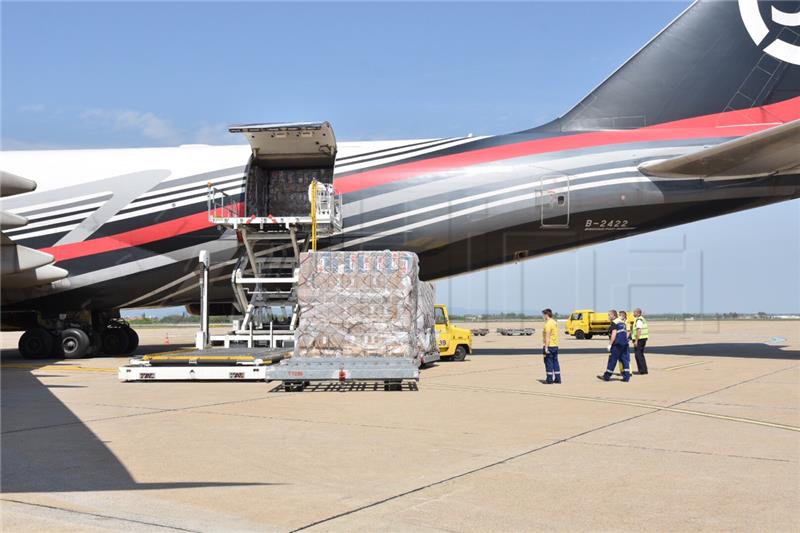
{"points": [[716, 56]]}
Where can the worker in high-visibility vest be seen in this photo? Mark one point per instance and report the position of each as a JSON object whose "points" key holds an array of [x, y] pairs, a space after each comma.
{"points": [[623, 316], [639, 336], [619, 349]]}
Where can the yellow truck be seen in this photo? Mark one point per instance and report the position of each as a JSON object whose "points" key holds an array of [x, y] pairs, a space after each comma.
{"points": [[585, 323], [454, 342]]}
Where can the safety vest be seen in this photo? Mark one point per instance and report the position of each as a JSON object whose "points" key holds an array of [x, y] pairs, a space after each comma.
{"points": [[622, 333], [645, 333]]}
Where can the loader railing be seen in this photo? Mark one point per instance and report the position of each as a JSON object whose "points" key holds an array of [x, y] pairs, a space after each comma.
{"points": [[222, 206]]}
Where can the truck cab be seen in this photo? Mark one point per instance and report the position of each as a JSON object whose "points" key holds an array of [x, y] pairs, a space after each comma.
{"points": [[454, 342]]}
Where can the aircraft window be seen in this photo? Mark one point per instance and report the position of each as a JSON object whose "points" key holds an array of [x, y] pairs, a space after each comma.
{"points": [[439, 316], [561, 199]]}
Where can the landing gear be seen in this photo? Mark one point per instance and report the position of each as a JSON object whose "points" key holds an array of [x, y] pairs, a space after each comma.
{"points": [[36, 343], [75, 338], [74, 343]]}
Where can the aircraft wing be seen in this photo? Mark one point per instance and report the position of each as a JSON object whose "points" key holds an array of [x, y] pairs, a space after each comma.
{"points": [[771, 152], [20, 266]]}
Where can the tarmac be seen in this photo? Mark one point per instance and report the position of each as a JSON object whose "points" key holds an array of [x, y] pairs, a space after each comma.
{"points": [[709, 440]]}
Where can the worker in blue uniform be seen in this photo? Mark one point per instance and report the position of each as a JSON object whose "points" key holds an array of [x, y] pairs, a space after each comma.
{"points": [[618, 346]]}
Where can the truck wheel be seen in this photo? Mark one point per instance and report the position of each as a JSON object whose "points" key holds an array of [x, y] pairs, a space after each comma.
{"points": [[75, 342], [36, 344], [589, 335], [461, 353], [580, 335]]}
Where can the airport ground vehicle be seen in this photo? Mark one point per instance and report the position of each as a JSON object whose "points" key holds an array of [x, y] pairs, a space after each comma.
{"points": [[585, 323], [479, 332], [454, 342], [516, 332]]}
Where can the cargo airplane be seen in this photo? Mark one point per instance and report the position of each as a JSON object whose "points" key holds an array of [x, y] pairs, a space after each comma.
{"points": [[702, 121]]}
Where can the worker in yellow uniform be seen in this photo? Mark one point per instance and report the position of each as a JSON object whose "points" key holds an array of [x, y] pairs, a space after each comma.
{"points": [[639, 336], [550, 347]]}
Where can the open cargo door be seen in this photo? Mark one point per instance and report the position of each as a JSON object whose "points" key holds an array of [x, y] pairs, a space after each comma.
{"points": [[285, 159]]}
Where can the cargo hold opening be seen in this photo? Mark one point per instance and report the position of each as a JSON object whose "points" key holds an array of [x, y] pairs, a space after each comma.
{"points": [[285, 159]]}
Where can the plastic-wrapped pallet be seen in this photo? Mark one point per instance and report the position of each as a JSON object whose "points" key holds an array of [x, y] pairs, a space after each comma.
{"points": [[426, 327], [361, 304]]}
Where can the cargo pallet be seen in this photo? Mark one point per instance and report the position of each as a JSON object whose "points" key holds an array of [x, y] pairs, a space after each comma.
{"points": [[513, 332]]}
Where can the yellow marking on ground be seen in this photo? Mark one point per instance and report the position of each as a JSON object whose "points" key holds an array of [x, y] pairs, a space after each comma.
{"points": [[51, 368], [199, 357], [678, 367], [171, 352], [631, 404]]}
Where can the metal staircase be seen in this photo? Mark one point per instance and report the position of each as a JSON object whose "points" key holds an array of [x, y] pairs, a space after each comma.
{"points": [[264, 280]]}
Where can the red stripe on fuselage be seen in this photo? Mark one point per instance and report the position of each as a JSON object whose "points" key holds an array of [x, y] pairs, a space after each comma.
{"points": [[127, 239], [728, 124]]}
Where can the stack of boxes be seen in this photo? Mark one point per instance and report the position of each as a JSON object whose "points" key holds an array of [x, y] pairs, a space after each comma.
{"points": [[282, 192], [364, 304]]}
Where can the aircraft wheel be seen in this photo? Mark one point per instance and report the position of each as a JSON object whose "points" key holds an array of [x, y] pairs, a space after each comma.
{"points": [[133, 340], [115, 341], [580, 335], [461, 353], [36, 344], [74, 342]]}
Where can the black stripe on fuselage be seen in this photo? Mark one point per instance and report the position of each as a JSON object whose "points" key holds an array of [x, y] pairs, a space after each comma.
{"points": [[183, 192], [73, 204], [477, 144], [378, 158], [456, 193], [384, 150], [532, 160], [149, 219]]}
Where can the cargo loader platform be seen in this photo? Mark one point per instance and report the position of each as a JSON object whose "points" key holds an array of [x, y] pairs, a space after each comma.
{"points": [[215, 364]]}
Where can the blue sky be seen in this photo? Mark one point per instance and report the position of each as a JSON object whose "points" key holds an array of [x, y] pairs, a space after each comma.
{"points": [[149, 74]]}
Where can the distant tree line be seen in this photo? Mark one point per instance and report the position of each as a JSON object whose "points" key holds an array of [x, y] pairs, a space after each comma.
{"points": [[175, 319]]}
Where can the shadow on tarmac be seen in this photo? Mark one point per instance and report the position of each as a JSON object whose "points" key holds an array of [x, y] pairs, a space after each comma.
{"points": [[753, 350], [44, 447]]}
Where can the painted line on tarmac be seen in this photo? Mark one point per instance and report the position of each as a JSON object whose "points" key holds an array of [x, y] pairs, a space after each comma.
{"points": [[97, 515], [678, 367], [58, 368], [628, 404], [462, 474], [511, 458]]}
